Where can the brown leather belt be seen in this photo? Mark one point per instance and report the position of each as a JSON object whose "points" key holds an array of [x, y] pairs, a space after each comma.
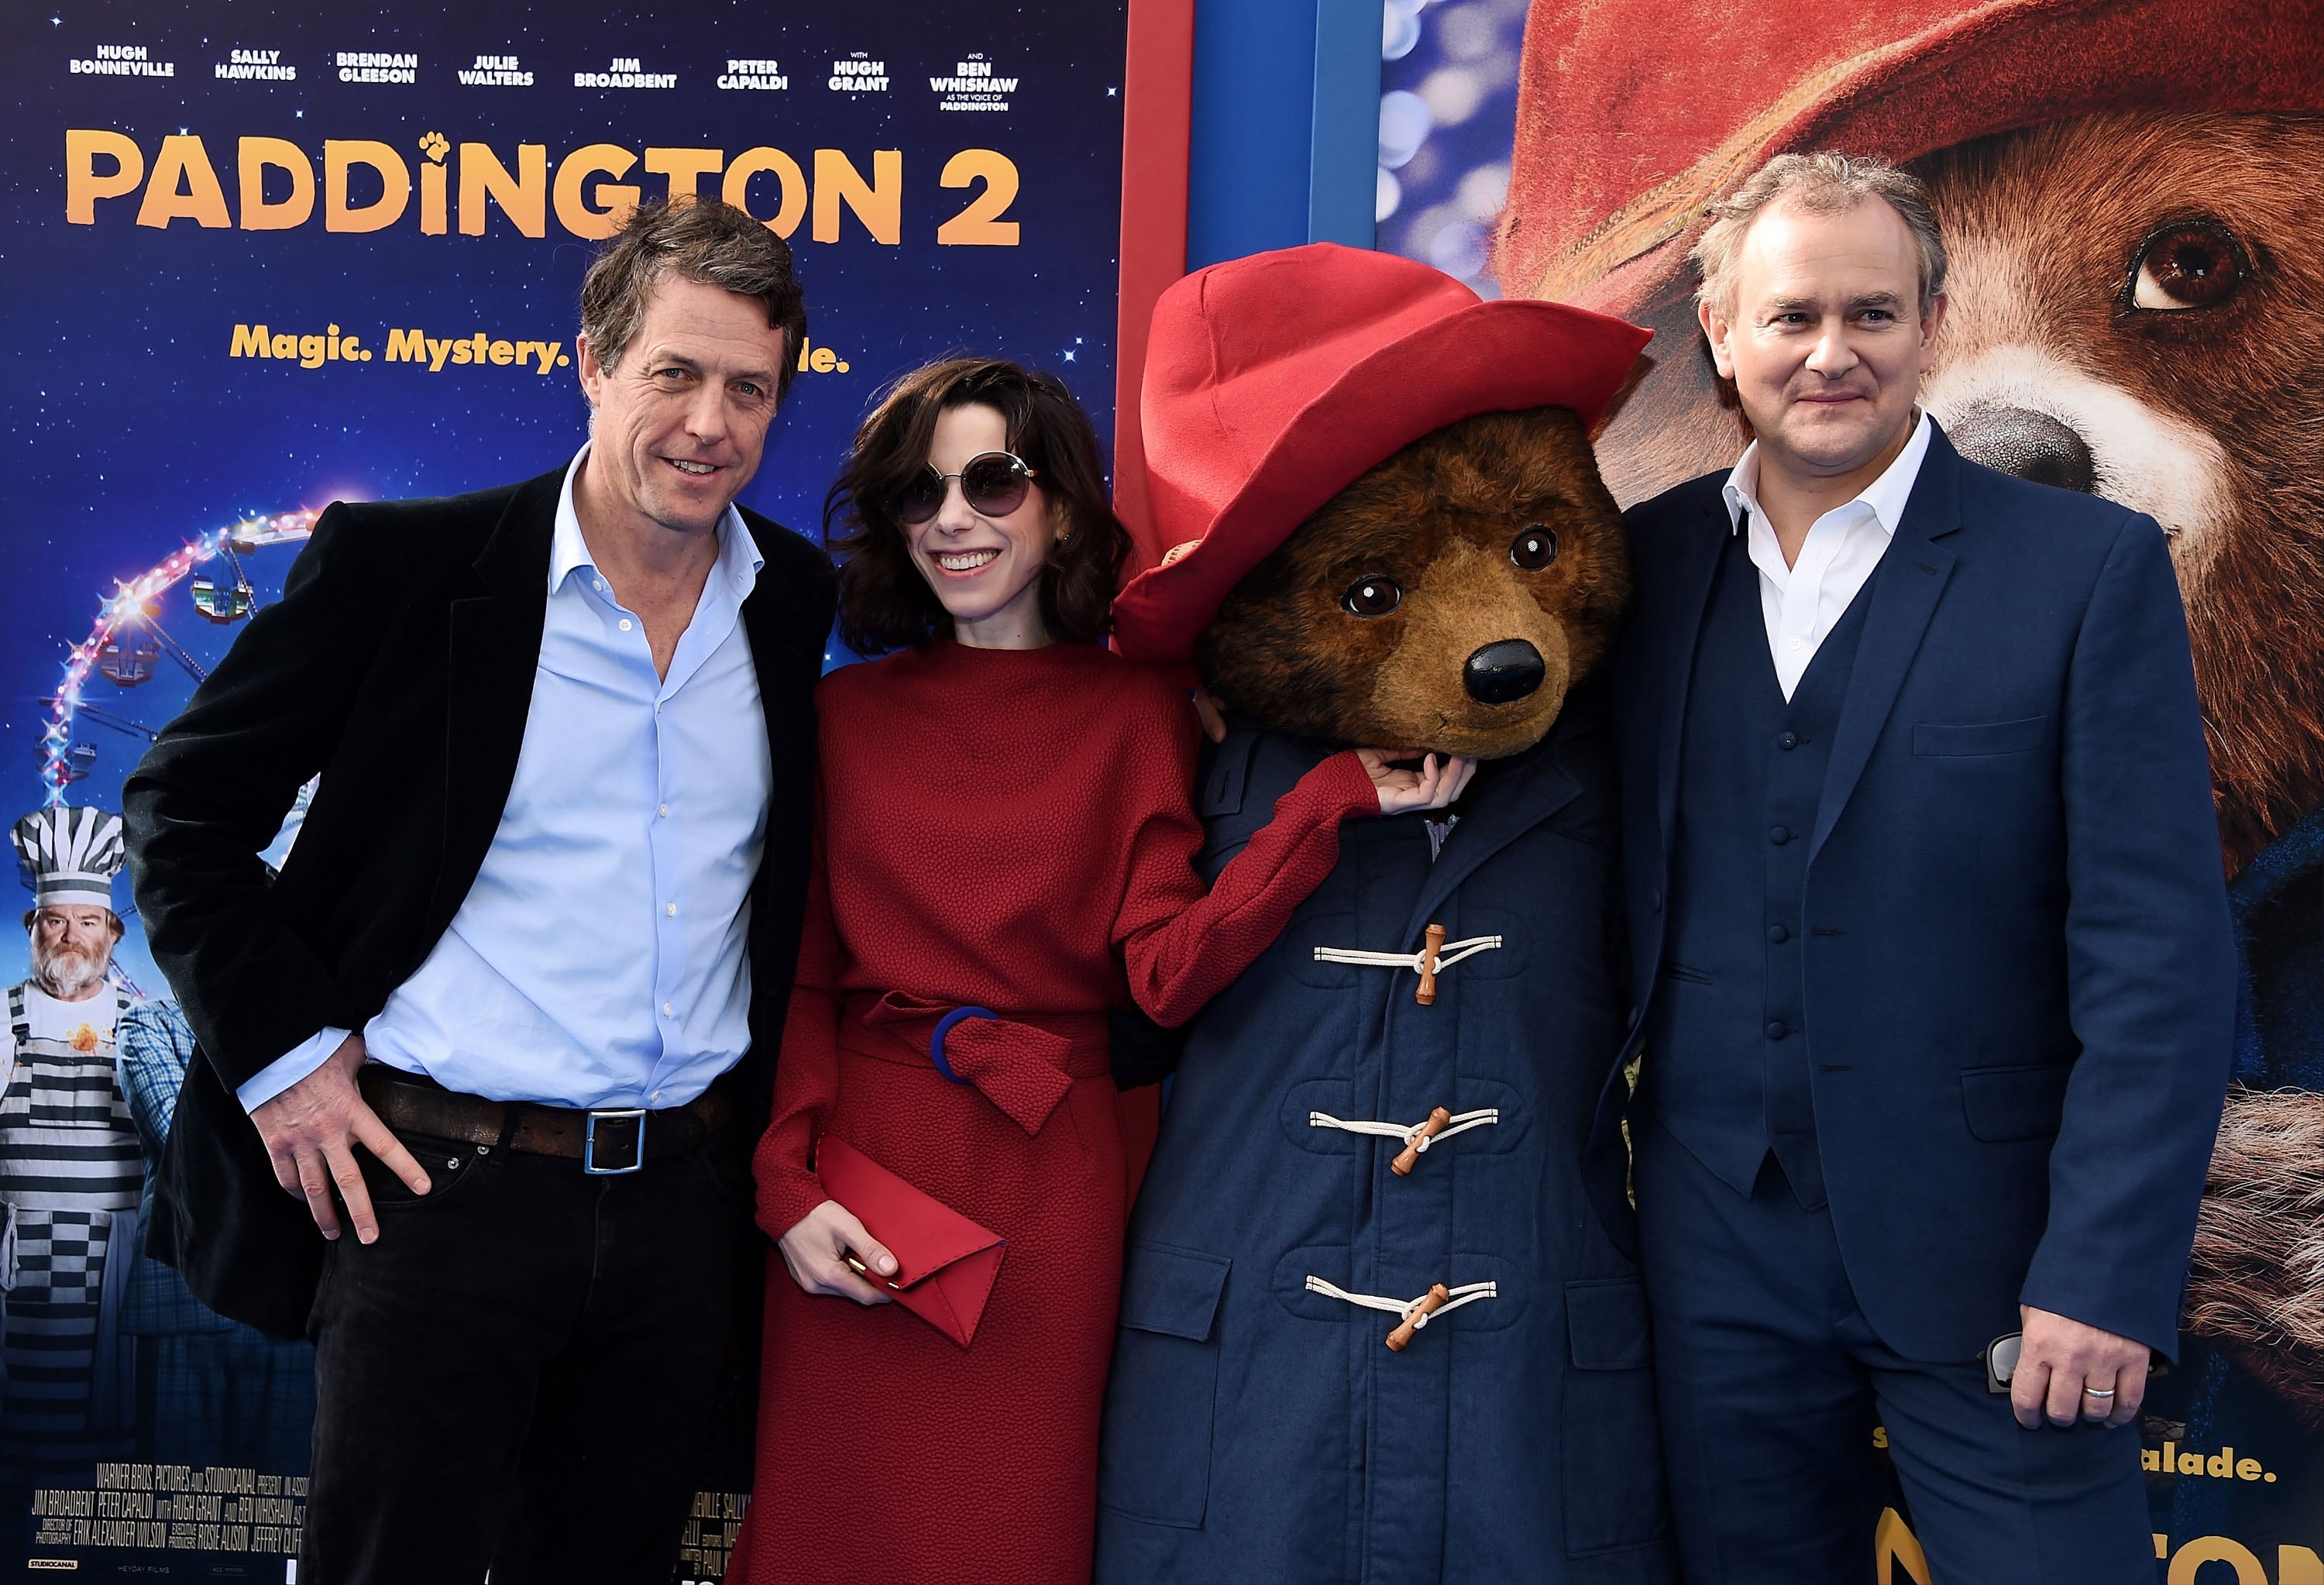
{"points": [[605, 1141]]}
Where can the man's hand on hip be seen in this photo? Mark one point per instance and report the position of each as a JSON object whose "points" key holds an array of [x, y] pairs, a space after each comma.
{"points": [[2067, 1371], [311, 1130]]}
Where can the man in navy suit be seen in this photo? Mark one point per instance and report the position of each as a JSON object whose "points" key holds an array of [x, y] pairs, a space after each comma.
{"points": [[1931, 946]]}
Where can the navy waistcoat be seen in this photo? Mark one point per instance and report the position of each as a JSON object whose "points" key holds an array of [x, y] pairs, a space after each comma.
{"points": [[1727, 1044]]}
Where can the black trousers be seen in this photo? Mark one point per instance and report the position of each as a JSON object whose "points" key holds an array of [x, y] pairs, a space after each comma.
{"points": [[523, 1373], [1772, 1383]]}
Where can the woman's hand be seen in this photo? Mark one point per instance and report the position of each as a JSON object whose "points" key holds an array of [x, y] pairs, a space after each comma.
{"points": [[815, 1252], [1432, 787]]}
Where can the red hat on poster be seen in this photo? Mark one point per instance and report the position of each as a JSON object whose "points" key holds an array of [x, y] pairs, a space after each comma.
{"points": [[1275, 381], [1634, 115]]}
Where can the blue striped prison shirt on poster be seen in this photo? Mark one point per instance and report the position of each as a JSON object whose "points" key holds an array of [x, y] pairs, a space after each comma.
{"points": [[600, 957]]}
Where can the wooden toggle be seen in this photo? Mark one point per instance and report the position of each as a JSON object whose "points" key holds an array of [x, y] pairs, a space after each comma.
{"points": [[1438, 1122], [1426, 994], [1434, 1299]]}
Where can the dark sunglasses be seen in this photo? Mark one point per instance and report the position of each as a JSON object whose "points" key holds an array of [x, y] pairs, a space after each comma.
{"points": [[993, 484]]}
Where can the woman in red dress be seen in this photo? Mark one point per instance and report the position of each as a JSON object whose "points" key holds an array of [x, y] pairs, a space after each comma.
{"points": [[1005, 824]]}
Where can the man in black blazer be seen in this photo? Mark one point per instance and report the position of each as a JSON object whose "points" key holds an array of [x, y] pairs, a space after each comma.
{"points": [[496, 1014], [1931, 948]]}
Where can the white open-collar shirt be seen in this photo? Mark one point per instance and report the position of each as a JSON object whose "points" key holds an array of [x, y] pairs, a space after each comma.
{"points": [[601, 957], [1803, 602]]}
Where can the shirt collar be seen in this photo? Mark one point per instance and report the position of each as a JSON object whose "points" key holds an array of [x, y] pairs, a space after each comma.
{"points": [[1885, 497], [739, 561]]}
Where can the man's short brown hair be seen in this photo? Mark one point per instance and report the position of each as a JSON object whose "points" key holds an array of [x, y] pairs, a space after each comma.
{"points": [[703, 241], [1823, 183]]}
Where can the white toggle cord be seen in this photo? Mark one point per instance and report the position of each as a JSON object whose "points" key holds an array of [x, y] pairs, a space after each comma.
{"points": [[1452, 953], [1410, 1133], [1404, 1308]]}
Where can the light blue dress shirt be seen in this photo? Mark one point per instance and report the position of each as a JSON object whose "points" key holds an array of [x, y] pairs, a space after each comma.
{"points": [[601, 958]]}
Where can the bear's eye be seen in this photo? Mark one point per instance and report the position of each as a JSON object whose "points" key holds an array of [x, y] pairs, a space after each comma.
{"points": [[1371, 597], [2190, 265], [1535, 548]]}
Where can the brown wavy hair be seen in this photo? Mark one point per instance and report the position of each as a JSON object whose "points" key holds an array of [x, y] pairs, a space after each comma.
{"points": [[699, 240], [884, 602]]}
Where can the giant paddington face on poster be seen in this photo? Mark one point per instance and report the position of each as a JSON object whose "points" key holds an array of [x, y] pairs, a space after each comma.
{"points": [[2137, 310]]}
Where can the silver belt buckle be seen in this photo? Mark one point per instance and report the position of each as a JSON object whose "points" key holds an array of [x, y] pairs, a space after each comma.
{"points": [[636, 1117]]}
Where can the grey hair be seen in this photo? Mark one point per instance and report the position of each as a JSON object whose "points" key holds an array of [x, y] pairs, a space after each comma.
{"points": [[1823, 183]]}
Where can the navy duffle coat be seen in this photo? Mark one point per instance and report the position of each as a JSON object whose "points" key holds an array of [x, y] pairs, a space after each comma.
{"points": [[1258, 1427]]}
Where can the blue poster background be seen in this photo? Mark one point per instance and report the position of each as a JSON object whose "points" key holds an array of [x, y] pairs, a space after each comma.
{"points": [[132, 429]]}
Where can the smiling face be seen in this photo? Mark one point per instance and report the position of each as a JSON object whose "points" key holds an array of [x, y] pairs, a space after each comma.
{"points": [[1824, 339], [1445, 601], [680, 421], [986, 571]]}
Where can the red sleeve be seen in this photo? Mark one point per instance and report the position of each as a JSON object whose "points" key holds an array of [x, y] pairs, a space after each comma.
{"points": [[806, 1075], [1181, 947]]}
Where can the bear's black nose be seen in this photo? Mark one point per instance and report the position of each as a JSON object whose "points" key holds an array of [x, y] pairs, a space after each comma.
{"points": [[2033, 445], [1499, 673]]}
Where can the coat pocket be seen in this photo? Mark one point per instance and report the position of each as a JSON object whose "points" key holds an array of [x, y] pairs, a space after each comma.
{"points": [[2025, 1102], [1154, 1453], [1612, 1447], [1981, 738]]}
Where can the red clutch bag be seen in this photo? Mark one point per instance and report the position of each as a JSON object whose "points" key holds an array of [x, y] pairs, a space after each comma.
{"points": [[944, 1263]]}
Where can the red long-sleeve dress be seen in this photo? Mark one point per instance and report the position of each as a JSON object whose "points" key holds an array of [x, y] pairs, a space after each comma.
{"points": [[1010, 830]]}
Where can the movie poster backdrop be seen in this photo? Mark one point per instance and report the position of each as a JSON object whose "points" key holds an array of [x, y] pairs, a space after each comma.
{"points": [[2128, 191], [255, 259]]}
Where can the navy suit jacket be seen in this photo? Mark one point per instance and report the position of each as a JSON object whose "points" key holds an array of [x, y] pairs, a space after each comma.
{"points": [[2020, 979]]}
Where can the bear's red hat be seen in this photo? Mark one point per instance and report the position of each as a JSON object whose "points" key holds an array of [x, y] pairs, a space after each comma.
{"points": [[1634, 115], [1273, 382]]}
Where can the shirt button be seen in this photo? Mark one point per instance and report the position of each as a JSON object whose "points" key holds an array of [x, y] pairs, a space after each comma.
{"points": [[1788, 740], [1779, 834], [600, 586], [1778, 935], [671, 909], [1796, 640], [627, 624], [667, 1011], [663, 811], [1775, 1030]]}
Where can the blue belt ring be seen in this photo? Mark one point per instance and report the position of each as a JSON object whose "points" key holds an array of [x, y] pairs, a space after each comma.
{"points": [[943, 1027]]}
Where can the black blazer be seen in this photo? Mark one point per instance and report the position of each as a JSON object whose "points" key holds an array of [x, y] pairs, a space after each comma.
{"points": [[2020, 976], [399, 665]]}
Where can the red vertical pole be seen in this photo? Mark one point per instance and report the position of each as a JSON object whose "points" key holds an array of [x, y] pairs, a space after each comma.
{"points": [[1158, 94]]}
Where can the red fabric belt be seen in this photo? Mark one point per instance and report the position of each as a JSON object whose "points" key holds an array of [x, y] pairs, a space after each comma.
{"points": [[1024, 1063]]}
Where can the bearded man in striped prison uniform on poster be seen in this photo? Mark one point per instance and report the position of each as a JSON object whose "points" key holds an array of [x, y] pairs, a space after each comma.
{"points": [[69, 1163]]}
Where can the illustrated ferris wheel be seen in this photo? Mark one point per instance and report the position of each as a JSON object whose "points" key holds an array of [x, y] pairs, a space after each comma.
{"points": [[127, 643]]}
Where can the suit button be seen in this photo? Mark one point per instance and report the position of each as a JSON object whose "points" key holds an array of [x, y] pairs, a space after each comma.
{"points": [[1778, 935], [1789, 740], [1775, 1030], [1779, 834]]}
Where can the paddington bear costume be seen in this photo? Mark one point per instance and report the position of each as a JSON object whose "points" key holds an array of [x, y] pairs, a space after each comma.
{"points": [[1261, 1425]]}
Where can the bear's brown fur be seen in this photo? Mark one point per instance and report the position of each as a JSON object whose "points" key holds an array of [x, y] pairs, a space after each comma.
{"points": [[1441, 522], [2256, 1279]]}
